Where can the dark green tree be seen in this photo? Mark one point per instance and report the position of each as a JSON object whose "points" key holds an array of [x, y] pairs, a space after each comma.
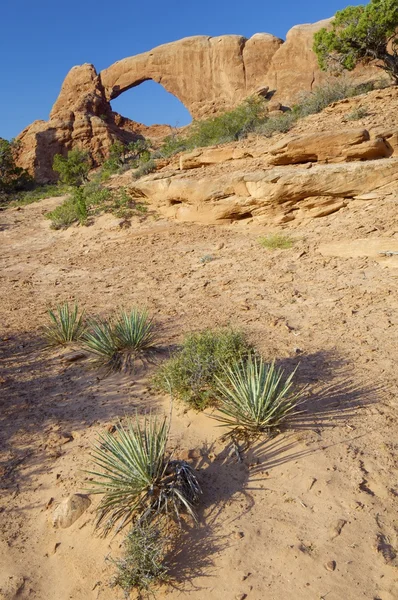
{"points": [[12, 178], [73, 169], [360, 34]]}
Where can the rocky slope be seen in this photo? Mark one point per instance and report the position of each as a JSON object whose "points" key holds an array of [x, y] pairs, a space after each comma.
{"points": [[301, 175]]}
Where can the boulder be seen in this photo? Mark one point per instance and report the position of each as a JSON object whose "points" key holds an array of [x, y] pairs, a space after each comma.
{"points": [[328, 146], [69, 510], [210, 156]]}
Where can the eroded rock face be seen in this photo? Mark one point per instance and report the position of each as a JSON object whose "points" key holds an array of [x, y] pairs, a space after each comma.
{"points": [[80, 118], [272, 195], [208, 74]]}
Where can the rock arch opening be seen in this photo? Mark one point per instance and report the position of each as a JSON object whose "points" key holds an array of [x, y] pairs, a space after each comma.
{"points": [[149, 103]]}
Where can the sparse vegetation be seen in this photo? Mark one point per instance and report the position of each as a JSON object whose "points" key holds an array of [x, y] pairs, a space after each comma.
{"points": [[279, 124], [251, 116], [64, 215], [254, 397], [143, 564], [191, 373], [39, 192], [66, 325], [144, 169], [91, 199], [118, 342], [121, 156], [276, 241], [72, 210], [139, 480], [361, 34], [229, 126], [73, 169], [358, 113], [332, 91]]}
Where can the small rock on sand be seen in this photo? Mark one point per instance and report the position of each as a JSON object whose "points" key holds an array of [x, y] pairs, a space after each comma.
{"points": [[69, 510]]}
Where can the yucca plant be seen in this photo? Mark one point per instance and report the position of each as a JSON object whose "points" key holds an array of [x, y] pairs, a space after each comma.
{"points": [[101, 341], [66, 325], [134, 331], [116, 343], [138, 478], [255, 397]]}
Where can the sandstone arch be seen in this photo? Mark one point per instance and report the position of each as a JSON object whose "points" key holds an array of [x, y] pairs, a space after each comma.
{"points": [[207, 74]]}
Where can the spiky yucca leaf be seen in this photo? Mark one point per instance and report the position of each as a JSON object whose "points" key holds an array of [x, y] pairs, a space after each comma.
{"points": [[119, 341], [255, 397], [66, 325], [101, 341], [137, 478], [134, 331]]}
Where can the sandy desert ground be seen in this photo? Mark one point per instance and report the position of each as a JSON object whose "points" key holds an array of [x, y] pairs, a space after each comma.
{"points": [[308, 514]]}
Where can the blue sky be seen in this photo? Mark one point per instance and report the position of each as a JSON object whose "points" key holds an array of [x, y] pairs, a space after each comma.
{"points": [[42, 39]]}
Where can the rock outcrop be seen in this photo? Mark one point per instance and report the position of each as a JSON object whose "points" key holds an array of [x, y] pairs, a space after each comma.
{"points": [[81, 117], [208, 74], [271, 195]]}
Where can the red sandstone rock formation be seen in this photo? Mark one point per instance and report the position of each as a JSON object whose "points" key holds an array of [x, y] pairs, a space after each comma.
{"points": [[207, 74]]}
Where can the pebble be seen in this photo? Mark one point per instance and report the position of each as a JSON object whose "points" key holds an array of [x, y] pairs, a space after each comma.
{"points": [[336, 530], [239, 535], [331, 565]]}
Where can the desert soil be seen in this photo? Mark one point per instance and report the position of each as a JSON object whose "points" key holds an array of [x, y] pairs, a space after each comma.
{"points": [[308, 514]]}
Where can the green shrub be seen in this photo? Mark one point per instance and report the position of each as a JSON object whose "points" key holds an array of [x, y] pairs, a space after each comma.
{"points": [[12, 178], [79, 201], [144, 169], [66, 325], [280, 124], [358, 113], [191, 373], [64, 215], [125, 156], [118, 342], [137, 477], [254, 397], [143, 564], [73, 169], [72, 210], [229, 126], [276, 241], [328, 93], [96, 195], [172, 145]]}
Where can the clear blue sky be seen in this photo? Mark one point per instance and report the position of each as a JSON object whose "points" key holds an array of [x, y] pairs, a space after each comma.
{"points": [[41, 40]]}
